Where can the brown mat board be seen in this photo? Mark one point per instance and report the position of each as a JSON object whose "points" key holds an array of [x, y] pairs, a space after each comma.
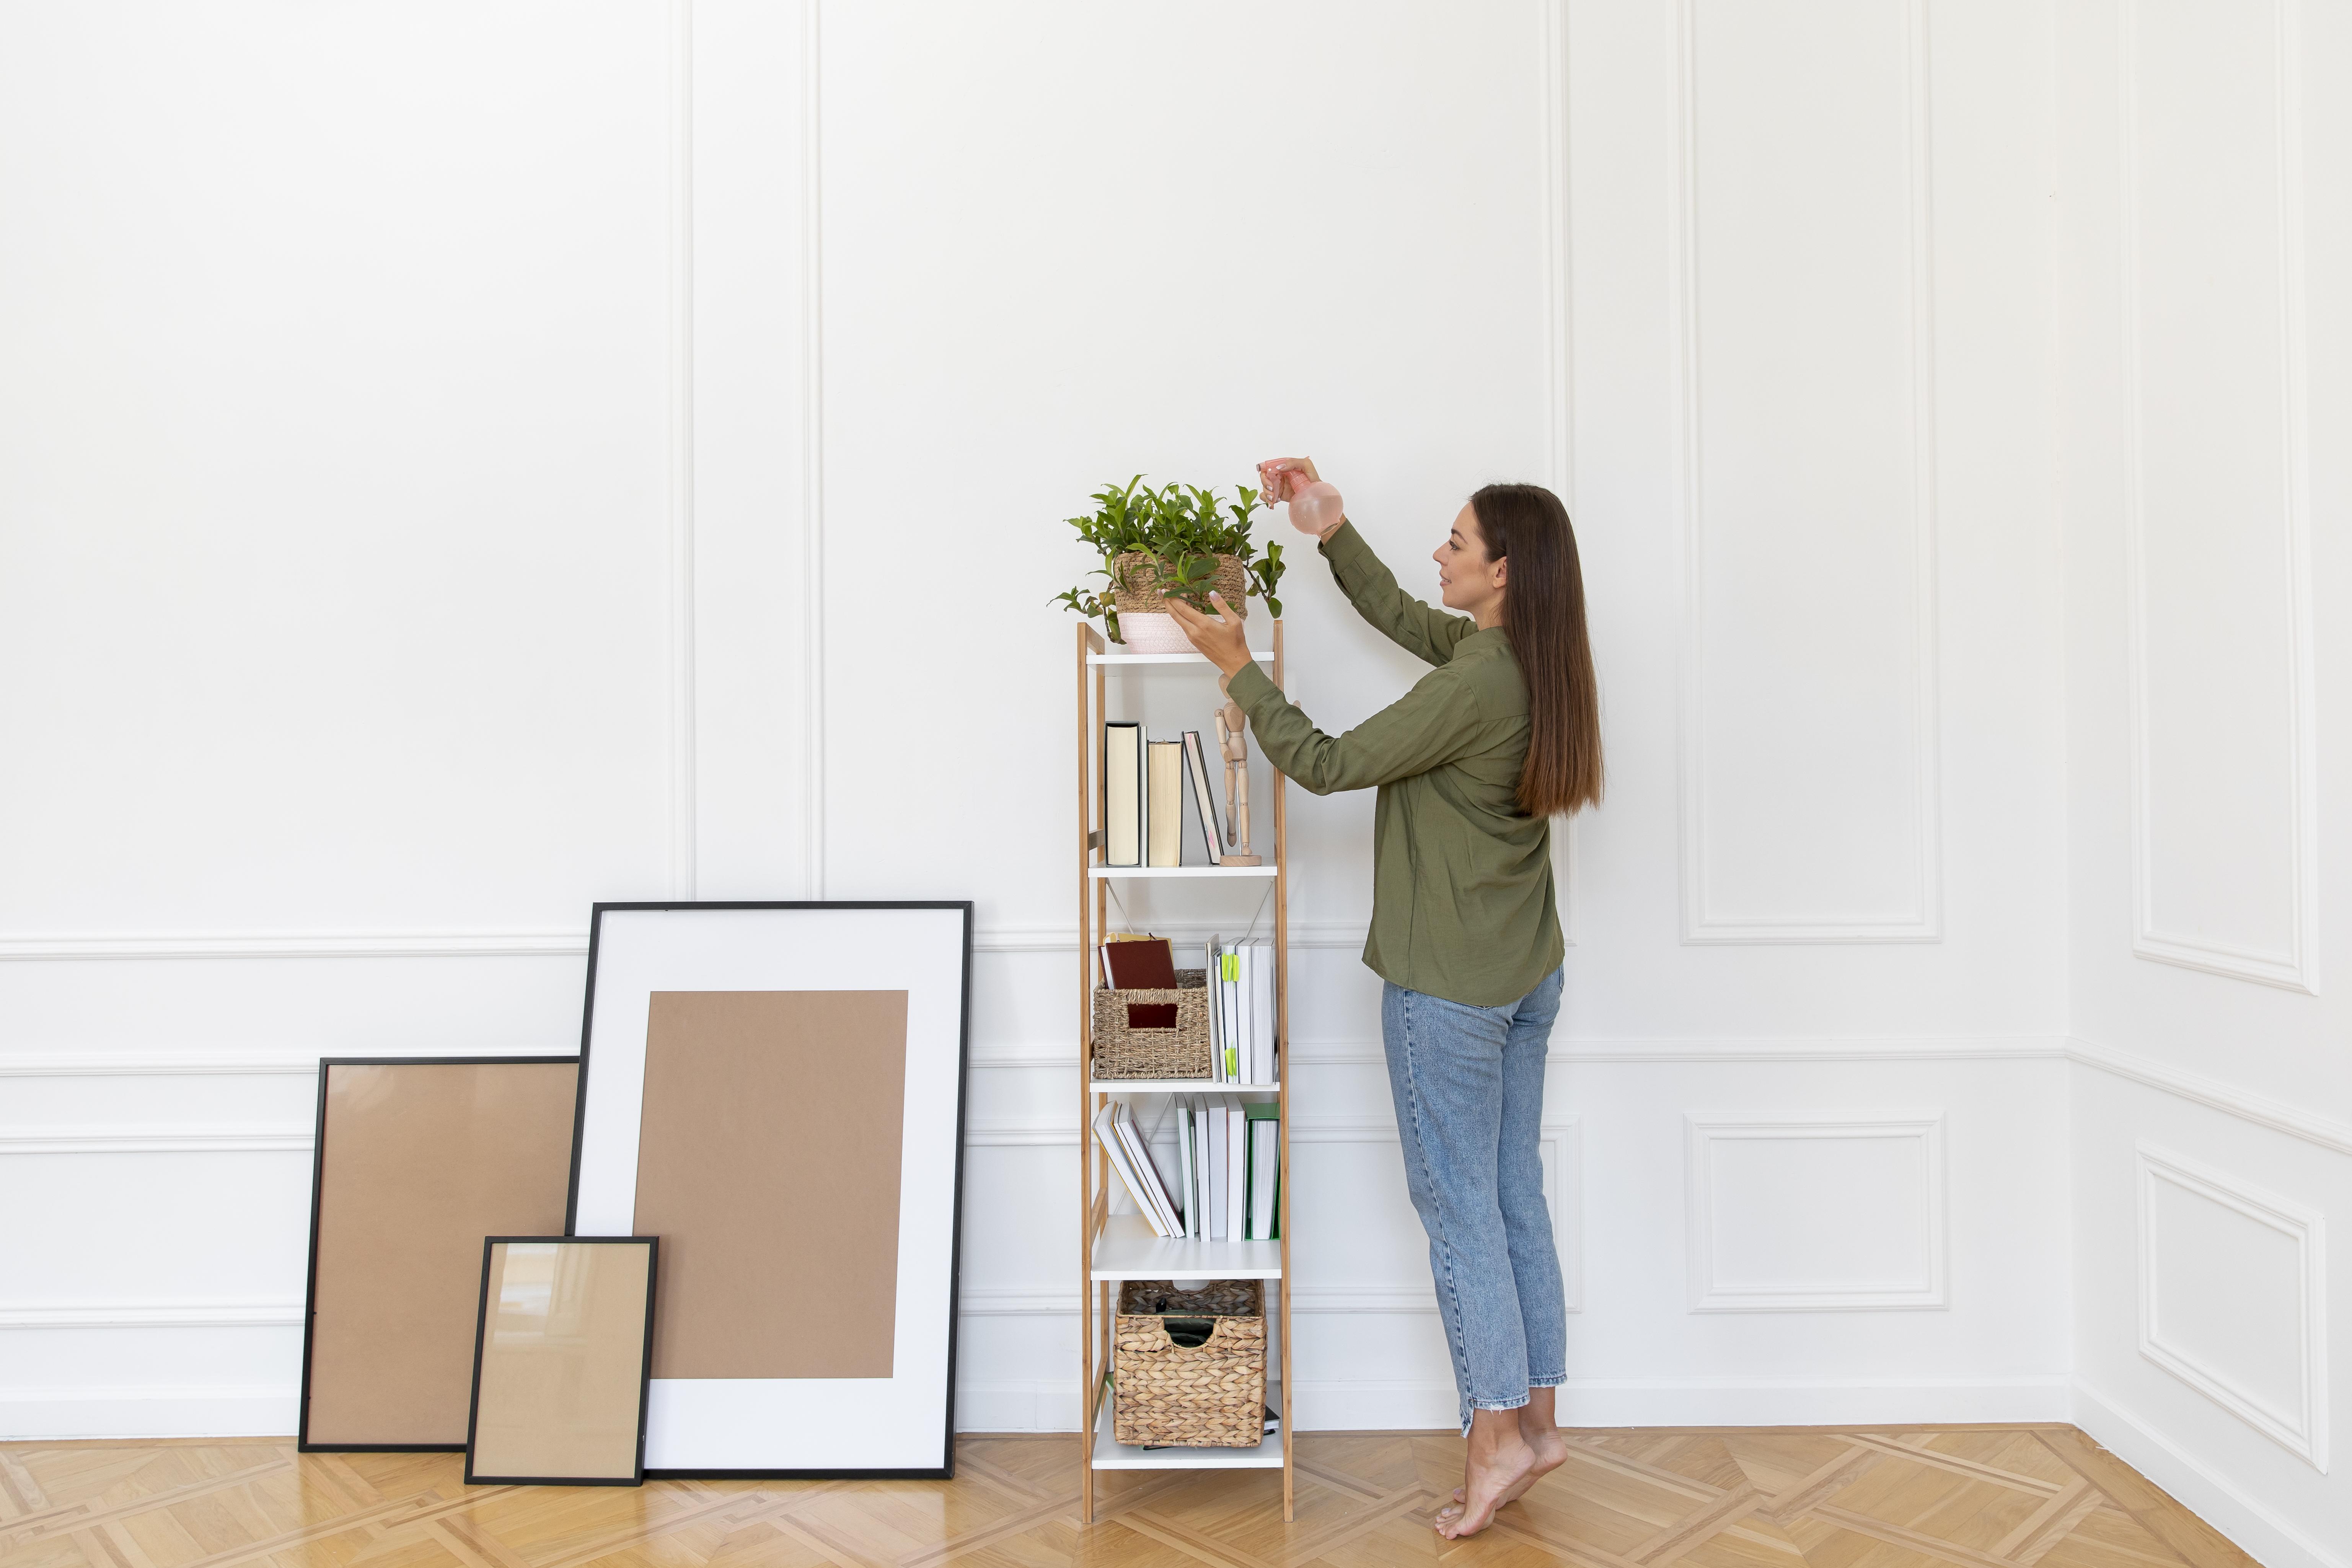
{"points": [[768, 1162], [418, 1159]]}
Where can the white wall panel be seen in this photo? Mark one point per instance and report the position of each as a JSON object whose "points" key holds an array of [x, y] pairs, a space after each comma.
{"points": [[338, 533], [1806, 328], [2204, 340], [1797, 1212], [2233, 1297], [2215, 518]]}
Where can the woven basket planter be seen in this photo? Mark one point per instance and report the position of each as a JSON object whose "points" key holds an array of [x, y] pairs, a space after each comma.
{"points": [[1135, 584], [1189, 1366], [1121, 1050]]}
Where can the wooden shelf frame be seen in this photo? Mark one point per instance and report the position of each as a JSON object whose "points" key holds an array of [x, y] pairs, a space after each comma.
{"points": [[1107, 1244]]}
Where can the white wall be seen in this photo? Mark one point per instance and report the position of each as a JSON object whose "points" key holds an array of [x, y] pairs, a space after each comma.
{"points": [[458, 464], [2206, 157]]}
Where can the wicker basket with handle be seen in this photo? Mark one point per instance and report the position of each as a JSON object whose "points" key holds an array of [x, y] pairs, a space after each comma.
{"points": [[1189, 1366], [1121, 1050]]}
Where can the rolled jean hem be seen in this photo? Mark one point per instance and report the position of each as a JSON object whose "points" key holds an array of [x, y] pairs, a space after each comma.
{"points": [[1546, 1381], [1499, 1404]]}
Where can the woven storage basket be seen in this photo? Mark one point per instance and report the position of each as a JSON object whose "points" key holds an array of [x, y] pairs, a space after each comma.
{"points": [[1135, 584], [1189, 1366], [1123, 1051]]}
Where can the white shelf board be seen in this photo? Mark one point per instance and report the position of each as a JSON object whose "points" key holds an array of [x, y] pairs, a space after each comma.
{"points": [[1129, 1248], [1132, 660], [1176, 1085], [1114, 1456], [1100, 872]]}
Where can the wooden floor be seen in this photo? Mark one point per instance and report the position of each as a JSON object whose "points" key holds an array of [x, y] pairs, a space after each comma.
{"points": [[1970, 1498]]}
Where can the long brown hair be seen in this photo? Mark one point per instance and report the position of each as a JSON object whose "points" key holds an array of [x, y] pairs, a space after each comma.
{"points": [[1543, 614]]}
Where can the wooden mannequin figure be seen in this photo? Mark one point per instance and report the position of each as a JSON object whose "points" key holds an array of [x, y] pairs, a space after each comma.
{"points": [[1233, 742]]}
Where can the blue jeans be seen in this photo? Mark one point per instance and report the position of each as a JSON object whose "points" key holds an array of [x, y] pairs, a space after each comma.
{"points": [[1468, 1083]]}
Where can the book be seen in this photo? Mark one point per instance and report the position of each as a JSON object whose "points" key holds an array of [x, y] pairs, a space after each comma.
{"points": [[1220, 1170], [1211, 957], [1261, 1011], [1155, 1185], [1166, 796], [1236, 1169], [1186, 1166], [1264, 1124], [1204, 799], [1145, 964], [1122, 802], [1229, 995], [1107, 1133]]}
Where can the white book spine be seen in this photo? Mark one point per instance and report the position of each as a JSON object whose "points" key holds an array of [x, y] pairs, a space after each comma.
{"points": [[1185, 1166], [1262, 997], [1200, 1168], [1237, 1158], [1220, 1172], [1107, 1131]]}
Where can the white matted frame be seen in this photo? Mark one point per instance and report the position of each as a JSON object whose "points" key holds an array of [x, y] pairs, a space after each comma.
{"points": [[805, 1428]]}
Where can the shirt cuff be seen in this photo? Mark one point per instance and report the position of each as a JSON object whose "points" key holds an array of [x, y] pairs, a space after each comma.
{"points": [[1345, 546]]}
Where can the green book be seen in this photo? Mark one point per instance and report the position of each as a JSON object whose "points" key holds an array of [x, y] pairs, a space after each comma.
{"points": [[1262, 1220]]}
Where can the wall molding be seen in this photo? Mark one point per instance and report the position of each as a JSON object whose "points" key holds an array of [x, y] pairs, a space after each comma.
{"points": [[59, 946], [2303, 1431], [1057, 1055], [1925, 923], [54, 946], [156, 1315], [1555, 201], [158, 1138], [678, 503], [2291, 970], [2246, 1520], [1708, 1293], [2325, 1131], [813, 444]]}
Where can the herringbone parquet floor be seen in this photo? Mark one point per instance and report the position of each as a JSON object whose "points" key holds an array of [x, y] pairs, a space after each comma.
{"points": [[1968, 1497]]}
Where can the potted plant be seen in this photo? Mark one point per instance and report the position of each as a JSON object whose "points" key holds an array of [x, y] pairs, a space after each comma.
{"points": [[1176, 541]]}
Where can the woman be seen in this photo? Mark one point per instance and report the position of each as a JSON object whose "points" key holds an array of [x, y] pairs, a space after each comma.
{"points": [[1471, 766]]}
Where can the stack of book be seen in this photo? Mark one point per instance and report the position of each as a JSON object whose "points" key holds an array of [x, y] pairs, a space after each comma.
{"points": [[1225, 1159], [1144, 785], [1241, 1012]]}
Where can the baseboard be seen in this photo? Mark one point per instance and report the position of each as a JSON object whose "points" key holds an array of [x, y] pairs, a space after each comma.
{"points": [[1051, 1404], [2220, 1502], [148, 1413], [1368, 1406]]}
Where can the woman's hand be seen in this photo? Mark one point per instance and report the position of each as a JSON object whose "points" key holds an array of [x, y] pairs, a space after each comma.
{"points": [[1221, 638], [1279, 479]]}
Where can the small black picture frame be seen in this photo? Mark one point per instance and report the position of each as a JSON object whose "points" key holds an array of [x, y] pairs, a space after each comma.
{"points": [[636, 1476]]}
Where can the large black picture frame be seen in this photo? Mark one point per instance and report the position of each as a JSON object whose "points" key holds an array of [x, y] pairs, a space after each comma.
{"points": [[611, 925]]}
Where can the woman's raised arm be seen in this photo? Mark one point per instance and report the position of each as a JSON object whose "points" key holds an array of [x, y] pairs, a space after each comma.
{"points": [[1421, 630]]}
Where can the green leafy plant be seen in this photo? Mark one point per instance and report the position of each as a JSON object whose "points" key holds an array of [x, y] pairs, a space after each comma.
{"points": [[1183, 529]]}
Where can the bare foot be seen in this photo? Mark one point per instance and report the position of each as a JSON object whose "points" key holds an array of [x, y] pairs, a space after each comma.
{"points": [[1550, 1451], [1499, 1459]]}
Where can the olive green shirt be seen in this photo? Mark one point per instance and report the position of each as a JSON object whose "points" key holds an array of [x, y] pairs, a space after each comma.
{"points": [[1461, 890]]}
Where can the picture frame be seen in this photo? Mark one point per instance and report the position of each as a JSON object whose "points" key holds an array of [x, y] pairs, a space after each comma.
{"points": [[591, 1333], [413, 1159], [777, 1089]]}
